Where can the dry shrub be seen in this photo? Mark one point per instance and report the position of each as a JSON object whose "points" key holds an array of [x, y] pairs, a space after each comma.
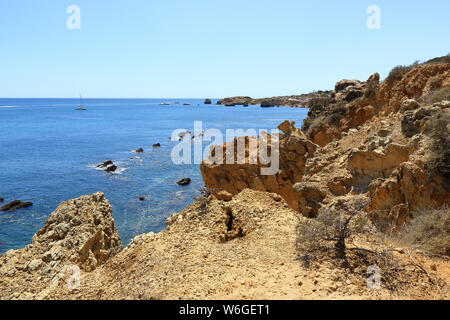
{"points": [[439, 158], [437, 95], [429, 232], [436, 83], [398, 72], [318, 241], [336, 112], [443, 59], [203, 200], [327, 233]]}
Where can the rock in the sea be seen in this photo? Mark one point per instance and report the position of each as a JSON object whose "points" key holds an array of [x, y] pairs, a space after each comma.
{"points": [[157, 145], [140, 150], [184, 181], [141, 198], [1, 199], [105, 164], [111, 168], [207, 101], [14, 205], [269, 103]]}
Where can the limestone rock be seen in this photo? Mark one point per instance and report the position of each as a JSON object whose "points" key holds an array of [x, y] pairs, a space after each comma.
{"points": [[80, 233], [409, 104], [294, 150], [82, 230], [310, 196], [223, 195], [343, 84], [377, 164]]}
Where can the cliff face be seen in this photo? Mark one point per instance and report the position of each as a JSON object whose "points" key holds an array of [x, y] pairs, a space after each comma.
{"points": [[295, 149], [354, 103], [79, 235], [375, 143]]}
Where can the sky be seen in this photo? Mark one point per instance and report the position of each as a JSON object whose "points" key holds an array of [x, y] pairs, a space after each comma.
{"points": [[209, 48]]}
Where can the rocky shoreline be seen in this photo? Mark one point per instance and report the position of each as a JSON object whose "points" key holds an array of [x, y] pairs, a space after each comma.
{"points": [[374, 155], [296, 101]]}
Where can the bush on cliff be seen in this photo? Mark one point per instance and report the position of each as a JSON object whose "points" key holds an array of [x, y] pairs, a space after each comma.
{"points": [[439, 158], [437, 95], [203, 200], [398, 71], [328, 233], [429, 231]]}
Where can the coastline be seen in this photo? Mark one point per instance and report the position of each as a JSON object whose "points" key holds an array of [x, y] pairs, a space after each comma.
{"points": [[373, 153]]}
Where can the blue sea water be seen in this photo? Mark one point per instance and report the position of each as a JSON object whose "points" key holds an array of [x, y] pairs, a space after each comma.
{"points": [[48, 154]]}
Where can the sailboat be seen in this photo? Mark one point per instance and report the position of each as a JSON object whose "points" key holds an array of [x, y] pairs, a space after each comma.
{"points": [[80, 107]]}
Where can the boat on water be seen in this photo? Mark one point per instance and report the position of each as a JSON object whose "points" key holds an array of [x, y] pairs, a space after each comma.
{"points": [[81, 106], [186, 104], [165, 103]]}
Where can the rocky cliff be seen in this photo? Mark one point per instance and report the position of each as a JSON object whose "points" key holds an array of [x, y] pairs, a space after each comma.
{"points": [[376, 142], [380, 147], [79, 235]]}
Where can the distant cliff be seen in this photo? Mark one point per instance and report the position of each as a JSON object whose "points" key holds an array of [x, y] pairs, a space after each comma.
{"points": [[307, 100]]}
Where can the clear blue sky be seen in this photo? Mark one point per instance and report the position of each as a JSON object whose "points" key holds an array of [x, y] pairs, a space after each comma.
{"points": [[209, 48]]}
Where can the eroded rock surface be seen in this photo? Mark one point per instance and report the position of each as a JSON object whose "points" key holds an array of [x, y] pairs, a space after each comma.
{"points": [[79, 233], [294, 148]]}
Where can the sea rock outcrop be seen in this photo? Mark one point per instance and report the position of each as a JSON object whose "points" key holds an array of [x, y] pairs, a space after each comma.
{"points": [[111, 168], [15, 205], [107, 166], [184, 181], [233, 101]]}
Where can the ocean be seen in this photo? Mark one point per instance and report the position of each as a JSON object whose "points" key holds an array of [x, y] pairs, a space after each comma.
{"points": [[49, 153]]}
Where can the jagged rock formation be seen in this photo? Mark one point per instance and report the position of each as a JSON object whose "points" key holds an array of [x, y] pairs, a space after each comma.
{"points": [[375, 142], [80, 232], [240, 249], [295, 149]]}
